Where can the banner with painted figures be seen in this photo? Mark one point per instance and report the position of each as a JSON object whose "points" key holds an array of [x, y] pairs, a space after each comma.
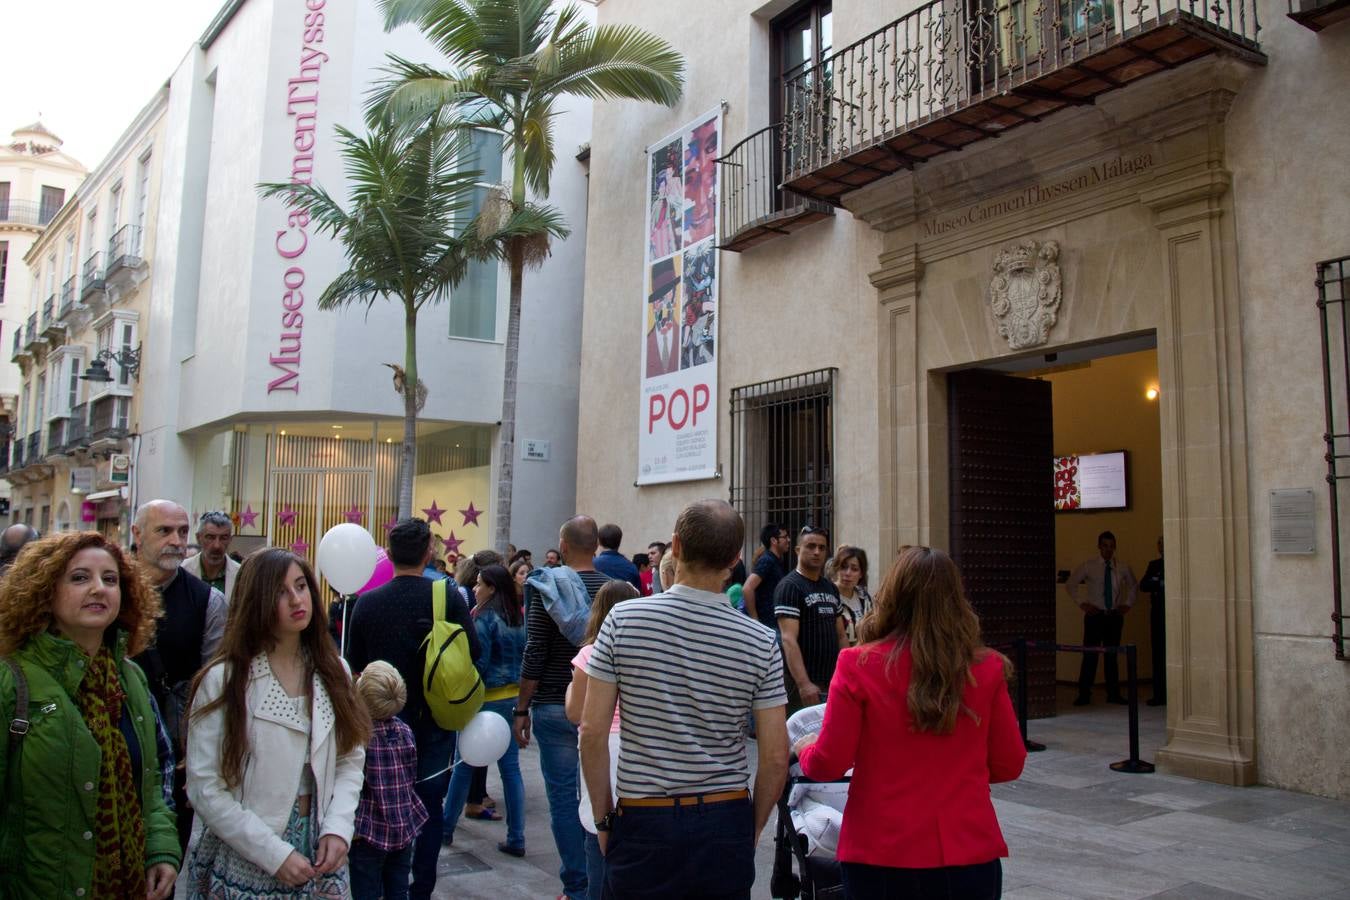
{"points": [[677, 440]]}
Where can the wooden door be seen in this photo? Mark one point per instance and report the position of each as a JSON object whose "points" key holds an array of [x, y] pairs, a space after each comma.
{"points": [[1001, 451]]}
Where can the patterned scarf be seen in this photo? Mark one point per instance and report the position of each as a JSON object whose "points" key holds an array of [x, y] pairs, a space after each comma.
{"points": [[119, 827]]}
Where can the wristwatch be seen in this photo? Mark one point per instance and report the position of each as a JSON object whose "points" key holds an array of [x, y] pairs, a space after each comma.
{"points": [[522, 713], [607, 823]]}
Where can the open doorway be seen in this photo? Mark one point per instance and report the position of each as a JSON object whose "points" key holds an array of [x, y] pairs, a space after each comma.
{"points": [[1019, 529]]}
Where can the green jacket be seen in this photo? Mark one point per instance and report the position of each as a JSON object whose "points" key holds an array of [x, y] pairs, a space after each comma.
{"points": [[58, 770]]}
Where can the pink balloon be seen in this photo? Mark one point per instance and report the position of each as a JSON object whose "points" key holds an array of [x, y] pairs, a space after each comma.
{"points": [[384, 572]]}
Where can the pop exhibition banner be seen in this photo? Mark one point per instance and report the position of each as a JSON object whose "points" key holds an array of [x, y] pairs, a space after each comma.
{"points": [[677, 440]]}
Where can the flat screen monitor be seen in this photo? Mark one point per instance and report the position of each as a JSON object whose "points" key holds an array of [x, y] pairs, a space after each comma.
{"points": [[1090, 481]]}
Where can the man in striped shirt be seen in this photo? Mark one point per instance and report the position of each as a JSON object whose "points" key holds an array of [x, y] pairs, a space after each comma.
{"points": [[545, 673], [686, 670]]}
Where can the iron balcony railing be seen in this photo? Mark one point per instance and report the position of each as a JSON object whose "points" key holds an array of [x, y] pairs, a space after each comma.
{"points": [[944, 59], [124, 249], [77, 427], [56, 435], [33, 452], [755, 206], [30, 330], [17, 461], [108, 417], [18, 344], [26, 212], [48, 312], [92, 276], [67, 297], [4, 456]]}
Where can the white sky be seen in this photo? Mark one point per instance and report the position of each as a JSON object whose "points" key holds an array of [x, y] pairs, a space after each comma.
{"points": [[88, 66]]}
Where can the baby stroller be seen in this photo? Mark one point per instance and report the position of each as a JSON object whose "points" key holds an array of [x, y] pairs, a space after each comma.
{"points": [[810, 848]]}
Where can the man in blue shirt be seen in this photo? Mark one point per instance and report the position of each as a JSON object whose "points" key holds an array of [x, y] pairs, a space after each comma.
{"points": [[613, 563]]}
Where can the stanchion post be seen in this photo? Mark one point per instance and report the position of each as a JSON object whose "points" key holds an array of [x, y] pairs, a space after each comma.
{"points": [[1020, 651], [1133, 765]]}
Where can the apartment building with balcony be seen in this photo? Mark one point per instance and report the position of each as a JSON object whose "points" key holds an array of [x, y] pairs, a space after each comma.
{"points": [[998, 276], [36, 178], [78, 353]]}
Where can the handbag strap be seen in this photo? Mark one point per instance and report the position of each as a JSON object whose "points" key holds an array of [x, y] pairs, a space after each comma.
{"points": [[18, 724]]}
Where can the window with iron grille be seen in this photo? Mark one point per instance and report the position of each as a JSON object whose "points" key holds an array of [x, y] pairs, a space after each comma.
{"points": [[1333, 286], [4, 268], [782, 453]]}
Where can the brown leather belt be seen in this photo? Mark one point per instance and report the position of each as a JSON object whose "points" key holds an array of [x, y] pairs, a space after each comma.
{"points": [[685, 799]]}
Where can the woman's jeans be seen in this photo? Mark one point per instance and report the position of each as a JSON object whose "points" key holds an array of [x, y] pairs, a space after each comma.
{"points": [[513, 786], [983, 881]]}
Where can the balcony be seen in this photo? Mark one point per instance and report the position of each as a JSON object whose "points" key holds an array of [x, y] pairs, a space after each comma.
{"points": [[67, 297], [56, 435], [26, 212], [33, 449], [20, 348], [1319, 14], [124, 255], [30, 331], [109, 418], [4, 456], [77, 429], [52, 327], [91, 279], [948, 75], [16, 455], [755, 207]]}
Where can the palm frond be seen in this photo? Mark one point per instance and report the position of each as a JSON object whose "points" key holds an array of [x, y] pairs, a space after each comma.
{"points": [[618, 61]]}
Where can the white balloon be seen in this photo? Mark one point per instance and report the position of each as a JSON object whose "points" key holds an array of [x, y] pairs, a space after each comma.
{"points": [[347, 556], [484, 739]]}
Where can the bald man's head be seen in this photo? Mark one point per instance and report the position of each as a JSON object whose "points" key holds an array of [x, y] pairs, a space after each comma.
{"points": [[578, 538], [13, 539]]}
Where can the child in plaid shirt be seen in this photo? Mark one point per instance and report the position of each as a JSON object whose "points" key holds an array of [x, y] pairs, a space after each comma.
{"points": [[390, 813]]}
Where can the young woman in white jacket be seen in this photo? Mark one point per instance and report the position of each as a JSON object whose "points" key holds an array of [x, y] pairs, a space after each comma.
{"points": [[275, 745]]}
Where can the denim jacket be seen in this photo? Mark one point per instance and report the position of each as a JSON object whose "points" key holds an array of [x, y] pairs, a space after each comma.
{"points": [[503, 647]]}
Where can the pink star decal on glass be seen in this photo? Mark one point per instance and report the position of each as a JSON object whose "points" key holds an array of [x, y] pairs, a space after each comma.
{"points": [[470, 515], [451, 543], [299, 548], [393, 520], [248, 518], [354, 515], [434, 513], [287, 515]]}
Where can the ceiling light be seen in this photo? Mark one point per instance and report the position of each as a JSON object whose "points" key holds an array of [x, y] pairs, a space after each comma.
{"points": [[283, 432], [1151, 393]]}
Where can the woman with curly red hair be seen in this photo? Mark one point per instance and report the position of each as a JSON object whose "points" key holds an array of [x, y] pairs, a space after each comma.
{"points": [[83, 811]]}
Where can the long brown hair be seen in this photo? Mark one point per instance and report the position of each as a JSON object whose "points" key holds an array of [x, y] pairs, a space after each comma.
{"points": [[29, 589], [249, 631], [922, 605], [610, 595]]}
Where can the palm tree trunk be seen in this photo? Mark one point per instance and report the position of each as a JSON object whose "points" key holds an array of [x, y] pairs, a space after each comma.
{"points": [[507, 442], [409, 461]]}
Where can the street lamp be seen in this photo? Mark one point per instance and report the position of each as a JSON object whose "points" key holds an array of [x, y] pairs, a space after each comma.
{"points": [[128, 359]]}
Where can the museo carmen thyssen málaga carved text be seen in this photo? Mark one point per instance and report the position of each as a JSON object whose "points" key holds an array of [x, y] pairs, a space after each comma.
{"points": [[302, 106], [1041, 192]]}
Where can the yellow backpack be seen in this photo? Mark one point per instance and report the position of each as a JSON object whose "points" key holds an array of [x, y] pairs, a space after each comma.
{"points": [[450, 681]]}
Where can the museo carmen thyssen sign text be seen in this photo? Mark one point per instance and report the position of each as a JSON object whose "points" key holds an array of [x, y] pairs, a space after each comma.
{"points": [[1036, 194], [302, 106]]}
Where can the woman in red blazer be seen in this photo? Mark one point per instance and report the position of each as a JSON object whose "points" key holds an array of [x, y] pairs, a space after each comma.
{"points": [[920, 711]]}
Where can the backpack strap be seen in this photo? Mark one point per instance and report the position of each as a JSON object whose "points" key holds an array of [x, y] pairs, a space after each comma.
{"points": [[440, 603]]}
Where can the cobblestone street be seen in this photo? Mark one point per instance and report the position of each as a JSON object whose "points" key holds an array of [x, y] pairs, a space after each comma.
{"points": [[1076, 830]]}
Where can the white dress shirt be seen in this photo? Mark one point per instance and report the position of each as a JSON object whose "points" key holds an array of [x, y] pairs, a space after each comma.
{"points": [[1124, 586]]}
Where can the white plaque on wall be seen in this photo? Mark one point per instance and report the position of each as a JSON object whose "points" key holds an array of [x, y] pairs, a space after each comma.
{"points": [[536, 450], [1293, 521]]}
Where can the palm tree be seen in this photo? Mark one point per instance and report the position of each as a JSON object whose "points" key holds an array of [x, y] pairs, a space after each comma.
{"points": [[510, 62], [407, 237]]}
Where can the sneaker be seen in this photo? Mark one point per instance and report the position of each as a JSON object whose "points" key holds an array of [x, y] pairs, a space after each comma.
{"points": [[518, 852], [1082, 700]]}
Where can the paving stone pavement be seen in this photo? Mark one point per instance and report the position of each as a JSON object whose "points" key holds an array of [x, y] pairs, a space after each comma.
{"points": [[1076, 830]]}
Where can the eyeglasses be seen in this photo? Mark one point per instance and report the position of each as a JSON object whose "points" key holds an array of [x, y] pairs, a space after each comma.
{"points": [[811, 529]]}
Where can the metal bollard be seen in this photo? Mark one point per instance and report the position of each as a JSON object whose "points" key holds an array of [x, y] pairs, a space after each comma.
{"points": [[1133, 765]]}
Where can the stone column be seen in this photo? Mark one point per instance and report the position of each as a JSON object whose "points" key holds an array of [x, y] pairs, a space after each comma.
{"points": [[1210, 708], [897, 284]]}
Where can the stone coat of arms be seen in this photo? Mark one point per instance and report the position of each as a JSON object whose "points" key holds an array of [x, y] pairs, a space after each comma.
{"points": [[1026, 292]]}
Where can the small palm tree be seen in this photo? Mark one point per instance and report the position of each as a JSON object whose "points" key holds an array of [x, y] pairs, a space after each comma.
{"points": [[408, 237], [510, 62]]}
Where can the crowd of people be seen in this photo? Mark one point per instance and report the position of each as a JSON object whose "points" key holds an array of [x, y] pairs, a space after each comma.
{"points": [[197, 722]]}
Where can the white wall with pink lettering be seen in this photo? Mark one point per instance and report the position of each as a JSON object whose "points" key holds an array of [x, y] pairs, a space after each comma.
{"points": [[237, 333]]}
